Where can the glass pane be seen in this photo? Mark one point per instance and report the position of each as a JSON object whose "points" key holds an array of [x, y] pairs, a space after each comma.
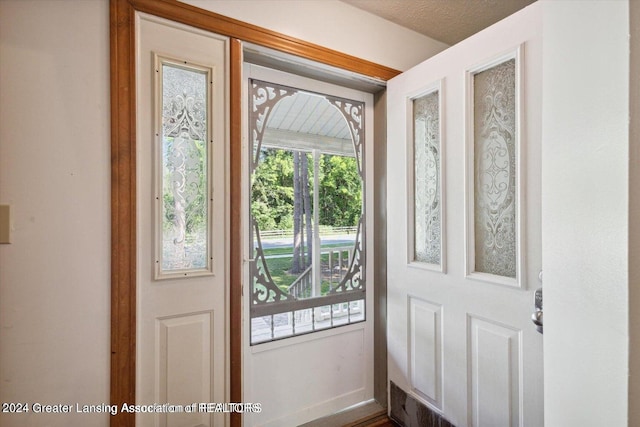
{"points": [[303, 321], [495, 170], [426, 132], [356, 311], [281, 206], [340, 210], [185, 204], [282, 325], [306, 206], [261, 329], [283, 211], [322, 318]]}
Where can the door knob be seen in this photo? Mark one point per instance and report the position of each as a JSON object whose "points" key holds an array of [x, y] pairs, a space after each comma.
{"points": [[536, 317]]}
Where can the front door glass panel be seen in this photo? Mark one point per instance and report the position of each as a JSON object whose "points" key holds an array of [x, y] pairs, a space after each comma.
{"points": [[306, 210], [494, 106]]}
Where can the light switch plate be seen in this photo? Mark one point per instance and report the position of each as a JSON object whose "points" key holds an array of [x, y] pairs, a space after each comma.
{"points": [[5, 224]]}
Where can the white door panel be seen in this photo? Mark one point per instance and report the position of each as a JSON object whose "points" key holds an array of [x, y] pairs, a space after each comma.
{"points": [[182, 343], [460, 336]]}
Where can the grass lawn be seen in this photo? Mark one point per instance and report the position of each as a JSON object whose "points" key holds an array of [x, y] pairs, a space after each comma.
{"points": [[279, 268], [287, 250]]}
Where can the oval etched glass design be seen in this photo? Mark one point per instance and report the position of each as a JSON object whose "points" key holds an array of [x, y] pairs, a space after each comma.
{"points": [[427, 198], [495, 170], [185, 186]]}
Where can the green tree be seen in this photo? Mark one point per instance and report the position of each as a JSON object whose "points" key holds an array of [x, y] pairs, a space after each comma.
{"points": [[195, 184], [272, 190], [273, 198], [340, 191]]}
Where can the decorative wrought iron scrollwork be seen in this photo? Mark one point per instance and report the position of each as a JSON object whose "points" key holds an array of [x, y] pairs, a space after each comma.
{"points": [[352, 112], [264, 96], [310, 306], [264, 289], [354, 278]]}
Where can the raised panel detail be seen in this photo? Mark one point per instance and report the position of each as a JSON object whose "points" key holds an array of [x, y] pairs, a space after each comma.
{"points": [[425, 349], [184, 363], [495, 371]]}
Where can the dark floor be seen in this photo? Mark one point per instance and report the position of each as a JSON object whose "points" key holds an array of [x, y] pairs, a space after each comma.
{"points": [[384, 423]]}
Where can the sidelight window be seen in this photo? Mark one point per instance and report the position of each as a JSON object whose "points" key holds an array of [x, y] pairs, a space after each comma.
{"points": [[183, 175]]}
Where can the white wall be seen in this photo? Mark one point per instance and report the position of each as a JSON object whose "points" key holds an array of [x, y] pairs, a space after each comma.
{"points": [[54, 171], [585, 212], [333, 24]]}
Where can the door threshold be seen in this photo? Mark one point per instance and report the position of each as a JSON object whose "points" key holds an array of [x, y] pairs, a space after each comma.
{"points": [[369, 414]]}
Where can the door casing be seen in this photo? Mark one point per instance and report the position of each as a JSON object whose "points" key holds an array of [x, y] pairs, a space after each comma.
{"points": [[123, 174]]}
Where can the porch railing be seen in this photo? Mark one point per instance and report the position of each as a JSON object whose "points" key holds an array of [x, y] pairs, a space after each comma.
{"points": [[334, 265], [302, 287]]}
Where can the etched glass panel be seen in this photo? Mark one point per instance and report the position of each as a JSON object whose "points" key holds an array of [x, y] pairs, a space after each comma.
{"points": [[185, 186], [427, 221], [495, 170]]}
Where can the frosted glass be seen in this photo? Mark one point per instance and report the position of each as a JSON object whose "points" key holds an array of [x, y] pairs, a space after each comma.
{"points": [[495, 170], [427, 221], [185, 206]]}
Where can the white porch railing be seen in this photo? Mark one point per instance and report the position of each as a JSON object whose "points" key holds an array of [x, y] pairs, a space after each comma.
{"points": [[334, 267], [302, 287]]}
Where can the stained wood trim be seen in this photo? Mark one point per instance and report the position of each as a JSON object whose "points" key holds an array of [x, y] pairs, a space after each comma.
{"points": [[123, 173], [123, 210], [235, 224], [223, 25]]}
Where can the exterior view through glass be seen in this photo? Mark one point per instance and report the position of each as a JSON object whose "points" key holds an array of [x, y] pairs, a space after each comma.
{"points": [[306, 209]]}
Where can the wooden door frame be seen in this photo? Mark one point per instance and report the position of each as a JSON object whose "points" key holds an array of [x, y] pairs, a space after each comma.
{"points": [[123, 173]]}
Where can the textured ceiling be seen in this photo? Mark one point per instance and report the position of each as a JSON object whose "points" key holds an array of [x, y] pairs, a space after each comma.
{"points": [[448, 21]]}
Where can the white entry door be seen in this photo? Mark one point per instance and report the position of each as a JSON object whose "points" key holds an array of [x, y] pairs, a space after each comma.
{"points": [[182, 223], [464, 228], [308, 328]]}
